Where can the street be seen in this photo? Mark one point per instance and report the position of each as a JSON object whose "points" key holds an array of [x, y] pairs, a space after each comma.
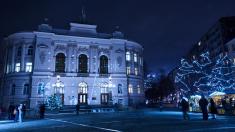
{"points": [[141, 120]]}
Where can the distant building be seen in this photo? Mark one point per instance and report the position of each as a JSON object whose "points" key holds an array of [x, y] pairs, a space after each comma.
{"points": [[80, 64], [215, 39]]}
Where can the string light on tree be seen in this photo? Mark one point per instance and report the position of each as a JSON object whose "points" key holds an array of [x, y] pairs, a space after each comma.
{"points": [[206, 76]]}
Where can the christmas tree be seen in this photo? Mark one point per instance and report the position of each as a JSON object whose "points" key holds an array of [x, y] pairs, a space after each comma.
{"points": [[54, 102]]}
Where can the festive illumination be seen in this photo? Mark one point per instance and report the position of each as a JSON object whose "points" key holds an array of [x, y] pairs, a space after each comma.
{"points": [[205, 75]]}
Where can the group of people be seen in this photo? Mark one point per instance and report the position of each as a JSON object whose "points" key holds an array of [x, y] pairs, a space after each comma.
{"points": [[203, 103], [17, 112]]}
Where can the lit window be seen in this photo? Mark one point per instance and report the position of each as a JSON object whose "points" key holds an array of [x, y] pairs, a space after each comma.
{"points": [[136, 71], [138, 89], [128, 70], [234, 60], [28, 67], [128, 56], [130, 88], [199, 43], [135, 57], [8, 68], [17, 67], [140, 60]]}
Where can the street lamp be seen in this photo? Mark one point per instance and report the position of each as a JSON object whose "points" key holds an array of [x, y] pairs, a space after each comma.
{"points": [[59, 88]]}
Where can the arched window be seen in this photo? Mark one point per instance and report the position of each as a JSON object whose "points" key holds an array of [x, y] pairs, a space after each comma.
{"points": [[30, 50], [19, 51], [60, 63], [104, 87], [82, 63], [82, 93], [103, 64], [82, 88], [13, 89], [26, 89]]}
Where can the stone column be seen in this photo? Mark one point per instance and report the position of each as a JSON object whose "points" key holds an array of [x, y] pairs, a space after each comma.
{"points": [[132, 63], [13, 58], [69, 58], [22, 60], [93, 59]]}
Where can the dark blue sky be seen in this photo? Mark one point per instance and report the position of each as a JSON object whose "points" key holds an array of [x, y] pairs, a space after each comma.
{"points": [[166, 28]]}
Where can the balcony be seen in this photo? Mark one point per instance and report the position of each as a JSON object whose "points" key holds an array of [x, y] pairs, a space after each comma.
{"points": [[104, 75], [83, 74]]}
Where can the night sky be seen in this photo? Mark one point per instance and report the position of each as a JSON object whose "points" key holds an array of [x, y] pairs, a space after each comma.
{"points": [[166, 28]]}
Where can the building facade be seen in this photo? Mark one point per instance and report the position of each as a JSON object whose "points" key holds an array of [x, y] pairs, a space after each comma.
{"points": [[79, 64], [215, 39]]}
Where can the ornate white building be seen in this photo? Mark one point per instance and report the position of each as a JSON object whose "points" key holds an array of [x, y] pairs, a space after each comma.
{"points": [[79, 64]]}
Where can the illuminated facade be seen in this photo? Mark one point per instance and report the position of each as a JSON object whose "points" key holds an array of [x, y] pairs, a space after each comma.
{"points": [[79, 64]]}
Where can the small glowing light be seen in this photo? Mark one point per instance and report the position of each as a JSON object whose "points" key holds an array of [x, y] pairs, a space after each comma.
{"points": [[199, 43]]}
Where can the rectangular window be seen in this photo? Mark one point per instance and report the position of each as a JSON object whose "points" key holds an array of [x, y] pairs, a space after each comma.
{"points": [[135, 57], [28, 67], [8, 68], [136, 71], [17, 67], [130, 89], [140, 61], [138, 89], [128, 56], [128, 70]]}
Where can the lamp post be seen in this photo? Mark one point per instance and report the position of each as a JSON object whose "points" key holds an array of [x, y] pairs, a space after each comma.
{"points": [[110, 86]]}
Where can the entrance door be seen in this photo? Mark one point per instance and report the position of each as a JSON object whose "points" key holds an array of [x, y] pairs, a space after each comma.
{"points": [[82, 98], [104, 98]]}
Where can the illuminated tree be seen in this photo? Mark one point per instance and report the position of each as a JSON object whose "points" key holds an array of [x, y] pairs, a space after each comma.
{"points": [[204, 75], [54, 102]]}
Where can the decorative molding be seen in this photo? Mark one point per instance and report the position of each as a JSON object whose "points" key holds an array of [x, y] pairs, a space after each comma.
{"points": [[43, 46], [119, 51], [103, 51], [83, 49], [60, 48]]}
